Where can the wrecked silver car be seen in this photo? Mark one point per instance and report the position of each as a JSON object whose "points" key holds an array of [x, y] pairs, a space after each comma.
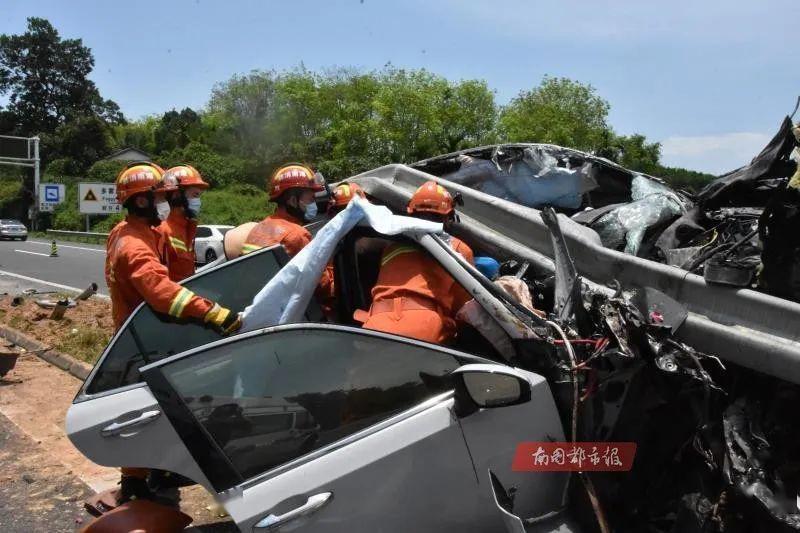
{"points": [[737, 231], [316, 424]]}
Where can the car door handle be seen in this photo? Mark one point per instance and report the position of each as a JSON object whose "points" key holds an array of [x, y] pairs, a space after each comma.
{"points": [[314, 503], [119, 427]]}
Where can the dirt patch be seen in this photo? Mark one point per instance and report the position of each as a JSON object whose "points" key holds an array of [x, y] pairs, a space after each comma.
{"points": [[83, 332], [37, 493]]}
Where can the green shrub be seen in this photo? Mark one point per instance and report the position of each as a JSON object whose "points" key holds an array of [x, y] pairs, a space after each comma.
{"points": [[105, 224], [10, 190], [235, 205], [105, 171]]}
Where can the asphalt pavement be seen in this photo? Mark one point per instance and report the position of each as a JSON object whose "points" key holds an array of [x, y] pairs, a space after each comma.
{"points": [[28, 264]]}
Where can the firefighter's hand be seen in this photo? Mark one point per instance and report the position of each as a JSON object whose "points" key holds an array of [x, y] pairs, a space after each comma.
{"points": [[223, 320]]}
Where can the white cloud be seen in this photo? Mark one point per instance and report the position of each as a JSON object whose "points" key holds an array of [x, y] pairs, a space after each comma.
{"points": [[715, 154]]}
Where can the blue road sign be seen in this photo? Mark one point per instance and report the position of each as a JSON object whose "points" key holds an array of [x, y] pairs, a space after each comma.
{"points": [[51, 193]]}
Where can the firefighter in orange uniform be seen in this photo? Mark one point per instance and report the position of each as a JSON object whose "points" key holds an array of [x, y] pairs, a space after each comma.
{"points": [[414, 296], [184, 185], [135, 273], [341, 196], [292, 187]]}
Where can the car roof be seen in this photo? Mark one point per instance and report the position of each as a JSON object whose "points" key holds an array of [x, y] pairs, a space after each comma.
{"points": [[9, 221]]}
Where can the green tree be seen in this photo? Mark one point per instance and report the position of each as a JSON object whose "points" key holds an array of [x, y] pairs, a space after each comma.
{"points": [[138, 134], [559, 111], [45, 79], [631, 151], [177, 129]]}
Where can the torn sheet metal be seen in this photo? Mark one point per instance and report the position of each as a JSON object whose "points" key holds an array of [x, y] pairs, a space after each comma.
{"points": [[286, 296], [652, 204], [751, 467], [535, 180]]}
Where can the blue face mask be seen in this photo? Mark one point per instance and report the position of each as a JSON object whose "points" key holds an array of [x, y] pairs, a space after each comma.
{"points": [[310, 211], [194, 205]]}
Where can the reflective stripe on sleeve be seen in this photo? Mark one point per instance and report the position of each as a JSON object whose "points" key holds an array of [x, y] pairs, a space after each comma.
{"points": [[178, 244], [179, 302], [400, 250], [247, 248]]}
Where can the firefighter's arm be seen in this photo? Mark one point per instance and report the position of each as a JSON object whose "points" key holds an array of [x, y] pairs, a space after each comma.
{"points": [[465, 251], [151, 280]]}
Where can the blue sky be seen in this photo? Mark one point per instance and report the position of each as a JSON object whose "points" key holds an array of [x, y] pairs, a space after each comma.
{"points": [[710, 79]]}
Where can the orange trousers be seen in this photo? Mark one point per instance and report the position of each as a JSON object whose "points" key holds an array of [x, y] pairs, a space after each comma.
{"points": [[422, 324]]}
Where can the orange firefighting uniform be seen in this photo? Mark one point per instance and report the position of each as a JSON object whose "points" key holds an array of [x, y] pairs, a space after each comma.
{"points": [[135, 273], [284, 229], [414, 296], [278, 228], [177, 235]]}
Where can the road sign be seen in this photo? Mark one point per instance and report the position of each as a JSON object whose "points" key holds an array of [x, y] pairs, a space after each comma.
{"points": [[98, 198], [50, 195]]}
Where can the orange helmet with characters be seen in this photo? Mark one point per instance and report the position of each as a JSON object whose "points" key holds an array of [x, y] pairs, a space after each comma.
{"points": [[184, 176], [138, 178], [294, 176], [431, 198], [342, 194]]}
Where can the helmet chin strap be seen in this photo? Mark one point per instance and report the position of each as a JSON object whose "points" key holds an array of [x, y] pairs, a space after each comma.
{"points": [[149, 213], [294, 210]]}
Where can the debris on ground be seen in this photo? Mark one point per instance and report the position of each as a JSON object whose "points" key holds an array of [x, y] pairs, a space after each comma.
{"points": [[716, 443], [83, 332]]}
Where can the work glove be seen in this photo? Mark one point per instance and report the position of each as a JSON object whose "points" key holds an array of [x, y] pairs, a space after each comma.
{"points": [[223, 320]]}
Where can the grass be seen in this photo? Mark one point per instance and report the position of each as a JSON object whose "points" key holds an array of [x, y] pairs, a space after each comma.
{"points": [[84, 343]]}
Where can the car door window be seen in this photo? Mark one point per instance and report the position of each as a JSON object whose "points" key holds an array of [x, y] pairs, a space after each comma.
{"points": [[148, 336], [270, 398], [202, 232]]}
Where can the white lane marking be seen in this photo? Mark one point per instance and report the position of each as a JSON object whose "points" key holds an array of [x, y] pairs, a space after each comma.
{"points": [[68, 246], [56, 285], [32, 253]]}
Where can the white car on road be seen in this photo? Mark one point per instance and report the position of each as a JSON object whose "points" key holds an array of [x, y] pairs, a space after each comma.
{"points": [[208, 243], [13, 229]]}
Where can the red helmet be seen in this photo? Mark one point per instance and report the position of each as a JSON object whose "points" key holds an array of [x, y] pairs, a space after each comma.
{"points": [[431, 198], [294, 176], [183, 176], [342, 194], [137, 178]]}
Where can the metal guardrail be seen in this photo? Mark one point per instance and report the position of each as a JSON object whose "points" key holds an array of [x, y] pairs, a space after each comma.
{"points": [[78, 234], [743, 326]]}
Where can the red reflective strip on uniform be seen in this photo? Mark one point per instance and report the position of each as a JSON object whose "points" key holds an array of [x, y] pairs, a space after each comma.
{"points": [[574, 457]]}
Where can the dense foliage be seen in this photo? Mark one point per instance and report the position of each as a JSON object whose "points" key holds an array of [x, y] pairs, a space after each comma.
{"points": [[341, 121]]}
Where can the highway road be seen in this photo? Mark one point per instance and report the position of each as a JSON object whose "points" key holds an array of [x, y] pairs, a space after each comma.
{"points": [[28, 263]]}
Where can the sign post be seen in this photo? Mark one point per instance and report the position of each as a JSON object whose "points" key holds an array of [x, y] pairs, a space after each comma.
{"points": [[23, 152], [50, 195], [98, 199]]}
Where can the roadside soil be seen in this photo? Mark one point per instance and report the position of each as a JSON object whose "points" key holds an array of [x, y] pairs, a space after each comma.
{"points": [[34, 398], [83, 332]]}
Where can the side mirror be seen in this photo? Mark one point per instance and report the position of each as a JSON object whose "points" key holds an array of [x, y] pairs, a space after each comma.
{"points": [[482, 386]]}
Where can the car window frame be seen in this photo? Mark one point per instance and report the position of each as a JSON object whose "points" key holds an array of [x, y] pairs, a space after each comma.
{"points": [[82, 395], [205, 228], [211, 459]]}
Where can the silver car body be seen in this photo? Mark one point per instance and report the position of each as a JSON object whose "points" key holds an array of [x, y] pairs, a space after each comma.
{"points": [[422, 468], [12, 229]]}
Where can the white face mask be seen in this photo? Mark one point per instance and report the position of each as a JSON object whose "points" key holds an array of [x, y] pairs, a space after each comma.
{"points": [[194, 205], [162, 209]]}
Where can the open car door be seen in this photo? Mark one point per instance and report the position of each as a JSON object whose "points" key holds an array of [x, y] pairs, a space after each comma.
{"points": [[315, 427], [114, 403]]}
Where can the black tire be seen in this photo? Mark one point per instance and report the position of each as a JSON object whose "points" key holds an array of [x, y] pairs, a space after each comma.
{"points": [[24, 239], [211, 255]]}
